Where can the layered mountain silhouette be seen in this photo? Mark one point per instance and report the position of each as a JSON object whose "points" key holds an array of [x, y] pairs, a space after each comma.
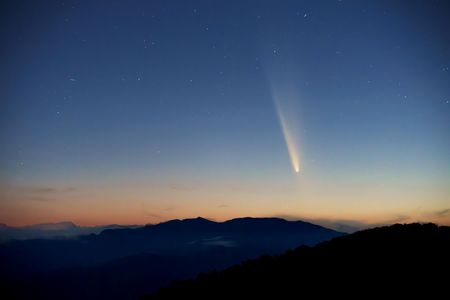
{"points": [[58, 230], [130, 262], [404, 261]]}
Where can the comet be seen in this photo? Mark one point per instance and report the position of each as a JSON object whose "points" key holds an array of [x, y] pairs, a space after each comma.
{"points": [[290, 136], [284, 87]]}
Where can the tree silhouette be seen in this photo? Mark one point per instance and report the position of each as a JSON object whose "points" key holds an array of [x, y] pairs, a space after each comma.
{"points": [[402, 260]]}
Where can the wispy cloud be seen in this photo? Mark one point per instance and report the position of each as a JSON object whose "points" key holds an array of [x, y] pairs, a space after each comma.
{"points": [[155, 216], [41, 199], [36, 193], [170, 208], [442, 213], [179, 187], [46, 190]]}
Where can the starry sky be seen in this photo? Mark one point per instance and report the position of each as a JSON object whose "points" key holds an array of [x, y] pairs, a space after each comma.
{"points": [[137, 112]]}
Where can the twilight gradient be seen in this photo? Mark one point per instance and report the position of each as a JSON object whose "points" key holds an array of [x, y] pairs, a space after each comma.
{"points": [[142, 111]]}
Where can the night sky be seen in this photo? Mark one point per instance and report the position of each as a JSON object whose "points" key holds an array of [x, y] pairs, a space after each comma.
{"points": [[138, 112]]}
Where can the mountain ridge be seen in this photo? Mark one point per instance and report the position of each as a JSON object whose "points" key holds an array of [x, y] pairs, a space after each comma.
{"points": [[83, 267]]}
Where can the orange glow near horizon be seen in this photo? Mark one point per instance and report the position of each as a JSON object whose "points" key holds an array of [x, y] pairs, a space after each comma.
{"points": [[219, 204]]}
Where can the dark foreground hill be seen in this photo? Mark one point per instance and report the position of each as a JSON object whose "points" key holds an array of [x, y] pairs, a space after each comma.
{"points": [[128, 263], [401, 260]]}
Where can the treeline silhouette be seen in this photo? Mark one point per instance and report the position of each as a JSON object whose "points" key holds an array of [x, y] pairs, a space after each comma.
{"points": [[396, 261]]}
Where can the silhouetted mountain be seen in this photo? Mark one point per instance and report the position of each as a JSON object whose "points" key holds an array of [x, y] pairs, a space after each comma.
{"points": [[126, 263], [52, 231], [400, 260], [67, 225]]}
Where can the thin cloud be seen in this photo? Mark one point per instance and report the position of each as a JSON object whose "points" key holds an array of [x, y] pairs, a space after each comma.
{"points": [[46, 190], [41, 199], [179, 187], [155, 216], [442, 213]]}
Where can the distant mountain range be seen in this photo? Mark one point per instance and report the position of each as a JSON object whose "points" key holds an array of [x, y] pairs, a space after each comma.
{"points": [[399, 261], [129, 262], [67, 229], [52, 231]]}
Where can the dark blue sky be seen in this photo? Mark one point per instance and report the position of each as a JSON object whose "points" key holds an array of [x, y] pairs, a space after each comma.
{"points": [[139, 111]]}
